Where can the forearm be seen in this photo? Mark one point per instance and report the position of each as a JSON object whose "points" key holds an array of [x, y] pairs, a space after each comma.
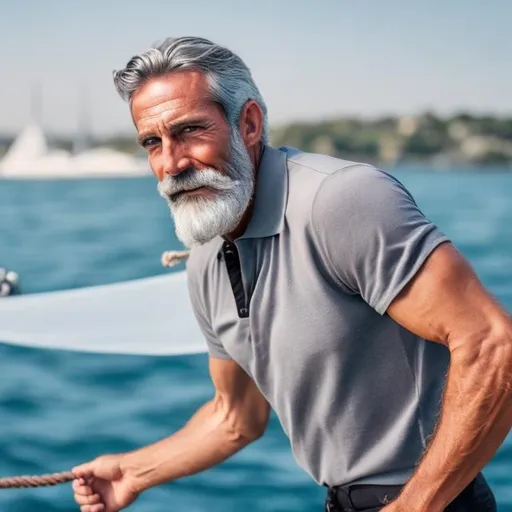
{"points": [[476, 417], [206, 440]]}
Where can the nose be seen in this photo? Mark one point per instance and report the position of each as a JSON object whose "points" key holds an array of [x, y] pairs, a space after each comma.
{"points": [[174, 161]]}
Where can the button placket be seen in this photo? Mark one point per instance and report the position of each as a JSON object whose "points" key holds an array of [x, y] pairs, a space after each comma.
{"points": [[234, 270]]}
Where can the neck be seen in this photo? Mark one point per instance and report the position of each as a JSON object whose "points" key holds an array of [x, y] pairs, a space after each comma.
{"points": [[256, 153]]}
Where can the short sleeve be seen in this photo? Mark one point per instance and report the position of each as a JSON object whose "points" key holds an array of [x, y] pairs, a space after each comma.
{"points": [[370, 233], [197, 299]]}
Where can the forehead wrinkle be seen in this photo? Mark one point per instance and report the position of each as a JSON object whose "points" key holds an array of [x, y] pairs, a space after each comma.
{"points": [[171, 96], [171, 111]]}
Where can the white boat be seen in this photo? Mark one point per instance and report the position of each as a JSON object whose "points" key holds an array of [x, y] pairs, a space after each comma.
{"points": [[31, 157], [150, 316]]}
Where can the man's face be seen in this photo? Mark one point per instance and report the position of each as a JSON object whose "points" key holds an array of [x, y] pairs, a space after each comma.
{"points": [[202, 165]]}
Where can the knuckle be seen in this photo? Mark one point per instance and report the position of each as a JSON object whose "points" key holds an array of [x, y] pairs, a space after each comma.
{"points": [[93, 499], [80, 499], [83, 490]]}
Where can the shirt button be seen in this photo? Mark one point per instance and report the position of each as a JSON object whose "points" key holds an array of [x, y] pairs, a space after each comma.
{"points": [[243, 311]]}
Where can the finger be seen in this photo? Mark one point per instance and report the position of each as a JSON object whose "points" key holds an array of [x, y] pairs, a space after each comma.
{"points": [[80, 487], [93, 508], [83, 471], [84, 490], [87, 500]]}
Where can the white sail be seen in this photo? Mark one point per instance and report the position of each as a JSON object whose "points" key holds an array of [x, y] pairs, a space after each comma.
{"points": [[27, 147], [151, 316], [30, 157]]}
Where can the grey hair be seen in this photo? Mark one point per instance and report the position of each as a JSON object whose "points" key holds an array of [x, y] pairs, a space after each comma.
{"points": [[230, 80]]}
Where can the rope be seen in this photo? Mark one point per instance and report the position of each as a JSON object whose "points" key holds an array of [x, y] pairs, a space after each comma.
{"points": [[36, 481], [171, 258]]}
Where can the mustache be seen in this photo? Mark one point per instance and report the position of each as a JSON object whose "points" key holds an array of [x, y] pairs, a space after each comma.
{"points": [[191, 179]]}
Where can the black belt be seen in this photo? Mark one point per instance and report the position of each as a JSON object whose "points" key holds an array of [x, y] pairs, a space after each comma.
{"points": [[351, 498], [369, 498]]}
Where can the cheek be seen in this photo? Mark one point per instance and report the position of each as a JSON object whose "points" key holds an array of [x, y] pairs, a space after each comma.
{"points": [[156, 165], [209, 153]]}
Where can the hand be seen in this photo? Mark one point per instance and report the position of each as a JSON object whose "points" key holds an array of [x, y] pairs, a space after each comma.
{"points": [[101, 486]]}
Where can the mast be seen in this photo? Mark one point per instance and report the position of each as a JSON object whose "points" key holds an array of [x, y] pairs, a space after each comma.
{"points": [[36, 104], [82, 138]]}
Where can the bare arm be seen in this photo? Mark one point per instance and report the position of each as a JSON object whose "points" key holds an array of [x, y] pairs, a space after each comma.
{"points": [[447, 304], [236, 416]]}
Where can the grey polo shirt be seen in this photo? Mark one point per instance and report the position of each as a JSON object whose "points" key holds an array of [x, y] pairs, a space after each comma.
{"points": [[329, 245]]}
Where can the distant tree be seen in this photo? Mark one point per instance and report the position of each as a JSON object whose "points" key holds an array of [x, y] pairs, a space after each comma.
{"points": [[423, 144]]}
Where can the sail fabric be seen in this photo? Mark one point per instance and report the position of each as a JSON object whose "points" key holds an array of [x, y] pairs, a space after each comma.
{"points": [[151, 316], [30, 156]]}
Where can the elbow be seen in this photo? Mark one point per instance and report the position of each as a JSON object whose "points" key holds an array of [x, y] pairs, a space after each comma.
{"points": [[506, 341], [250, 435], [498, 344], [497, 349], [250, 429], [243, 427], [499, 359], [260, 426], [242, 434], [487, 359]]}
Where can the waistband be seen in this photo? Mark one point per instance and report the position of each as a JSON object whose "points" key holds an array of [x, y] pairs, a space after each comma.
{"points": [[359, 497], [350, 498]]}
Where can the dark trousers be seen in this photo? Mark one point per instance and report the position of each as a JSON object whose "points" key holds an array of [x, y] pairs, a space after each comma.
{"points": [[476, 497]]}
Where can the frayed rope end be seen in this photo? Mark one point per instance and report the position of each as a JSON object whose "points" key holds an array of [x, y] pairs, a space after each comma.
{"points": [[172, 258]]}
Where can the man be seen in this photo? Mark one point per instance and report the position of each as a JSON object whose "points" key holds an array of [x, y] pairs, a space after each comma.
{"points": [[316, 282]]}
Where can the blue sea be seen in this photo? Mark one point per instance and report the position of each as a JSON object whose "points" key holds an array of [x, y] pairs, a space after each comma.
{"points": [[58, 409]]}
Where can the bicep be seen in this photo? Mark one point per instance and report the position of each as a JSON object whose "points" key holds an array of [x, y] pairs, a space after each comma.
{"points": [[446, 302], [237, 395]]}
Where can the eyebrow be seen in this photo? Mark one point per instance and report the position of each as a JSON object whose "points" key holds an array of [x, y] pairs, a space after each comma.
{"points": [[172, 127]]}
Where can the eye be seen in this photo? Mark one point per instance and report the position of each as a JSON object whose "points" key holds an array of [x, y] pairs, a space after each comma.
{"points": [[150, 142], [190, 128]]}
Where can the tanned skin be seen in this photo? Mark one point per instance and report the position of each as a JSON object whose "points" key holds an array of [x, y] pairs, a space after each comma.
{"points": [[180, 125]]}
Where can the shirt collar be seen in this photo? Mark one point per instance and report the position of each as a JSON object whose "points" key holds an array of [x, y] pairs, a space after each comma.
{"points": [[271, 195]]}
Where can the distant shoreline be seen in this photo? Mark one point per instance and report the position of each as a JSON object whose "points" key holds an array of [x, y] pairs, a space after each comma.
{"points": [[459, 140], [475, 142]]}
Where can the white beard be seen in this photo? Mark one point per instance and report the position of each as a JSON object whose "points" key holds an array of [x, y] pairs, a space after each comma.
{"points": [[199, 219]]}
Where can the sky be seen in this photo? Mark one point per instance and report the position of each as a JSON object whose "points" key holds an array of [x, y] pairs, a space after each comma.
{"points": [[312, 59]]}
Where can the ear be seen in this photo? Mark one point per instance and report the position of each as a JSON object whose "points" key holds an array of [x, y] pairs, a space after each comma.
{"points": [[251, 123]]}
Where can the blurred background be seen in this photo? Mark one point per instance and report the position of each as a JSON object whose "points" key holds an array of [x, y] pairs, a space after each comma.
{"points": [[420, 88]]}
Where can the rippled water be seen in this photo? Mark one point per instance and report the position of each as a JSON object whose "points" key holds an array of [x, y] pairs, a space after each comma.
{"points": [[58, 409]]}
